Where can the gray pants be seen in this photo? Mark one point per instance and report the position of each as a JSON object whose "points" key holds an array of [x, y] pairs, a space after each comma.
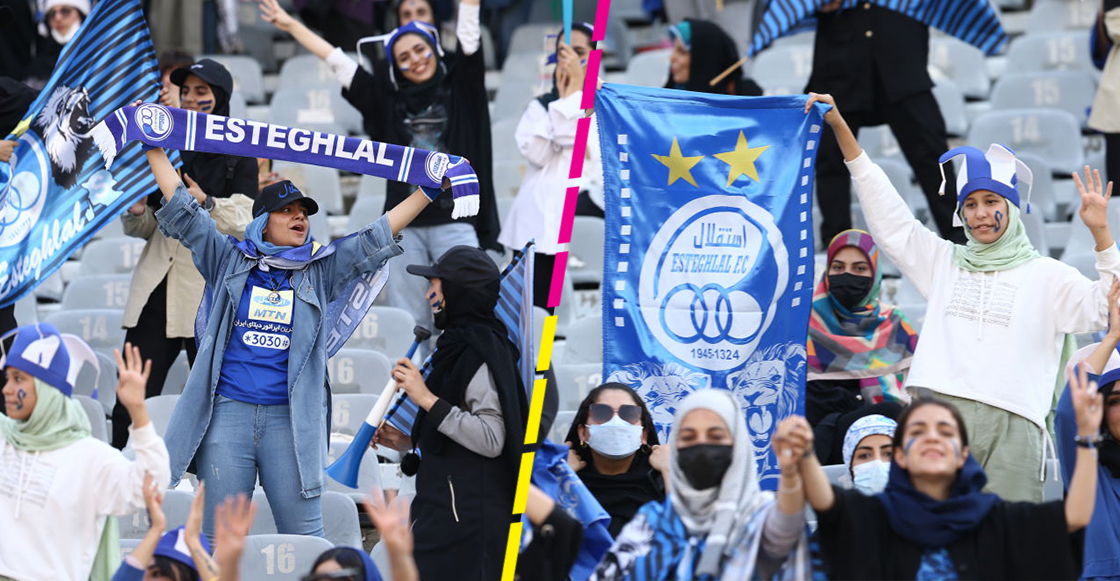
{"points": [[422, 245]]}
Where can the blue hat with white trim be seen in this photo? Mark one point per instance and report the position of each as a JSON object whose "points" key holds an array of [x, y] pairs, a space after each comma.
{"points": [[998, 171], [173, 545]]}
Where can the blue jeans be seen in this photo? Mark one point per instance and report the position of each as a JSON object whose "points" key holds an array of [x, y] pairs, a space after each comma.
{"points": [[245, 440]]}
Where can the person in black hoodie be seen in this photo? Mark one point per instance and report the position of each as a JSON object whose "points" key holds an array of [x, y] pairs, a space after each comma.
{"points": [[470, 427], [423, 101], [701, 52], [166, 287]]}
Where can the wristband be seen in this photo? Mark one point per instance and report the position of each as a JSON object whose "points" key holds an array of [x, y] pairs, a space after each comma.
{"points": [[431, 193], [1089, 442]]}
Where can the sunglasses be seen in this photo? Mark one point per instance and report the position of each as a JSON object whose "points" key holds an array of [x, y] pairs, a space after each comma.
{"points": [[60, 11], [601, 413]]}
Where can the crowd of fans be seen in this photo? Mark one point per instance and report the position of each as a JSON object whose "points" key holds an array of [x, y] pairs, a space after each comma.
{"points": [[921, 455]]}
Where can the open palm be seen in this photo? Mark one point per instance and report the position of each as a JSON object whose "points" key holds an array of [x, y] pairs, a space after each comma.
{"points": [[1094, 199]]}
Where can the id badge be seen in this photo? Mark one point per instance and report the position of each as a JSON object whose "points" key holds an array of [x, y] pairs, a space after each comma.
{"points": [[272, 306]]}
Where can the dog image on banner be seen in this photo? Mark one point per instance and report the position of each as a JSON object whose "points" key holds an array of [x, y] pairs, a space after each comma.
{"points": [[708, 270]]}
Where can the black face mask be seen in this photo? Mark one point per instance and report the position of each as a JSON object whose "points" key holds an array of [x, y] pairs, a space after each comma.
{"points": [[849, 289], [440, 319], [704, 464]]}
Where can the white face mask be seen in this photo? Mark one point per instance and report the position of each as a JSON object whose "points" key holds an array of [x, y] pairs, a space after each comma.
{"points": [[65, 37], [871, 477], [615, 439]]}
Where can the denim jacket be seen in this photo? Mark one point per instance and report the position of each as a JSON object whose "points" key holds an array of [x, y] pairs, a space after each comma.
{"points": [[226, 270]]}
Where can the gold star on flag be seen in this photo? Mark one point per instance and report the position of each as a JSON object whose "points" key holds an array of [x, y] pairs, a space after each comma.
{"points": [[680, 167], [741, 159]]}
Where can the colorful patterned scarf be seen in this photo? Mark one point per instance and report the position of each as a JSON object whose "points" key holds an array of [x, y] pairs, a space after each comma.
{"points": [[874, 343]]}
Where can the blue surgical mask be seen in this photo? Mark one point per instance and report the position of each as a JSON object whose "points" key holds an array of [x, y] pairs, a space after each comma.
{"points": [[871, 477], [615, 439]]}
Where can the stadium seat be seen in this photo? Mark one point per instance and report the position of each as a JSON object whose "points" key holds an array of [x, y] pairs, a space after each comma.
{"points": [[107, 381], [574, 381], [340, 519], [737, 20], [539, 315], [308, 70], [780, 67], [248, 78], [953, 59], [533, 39], [87, 381], [102, 291], [1051, 134], [371, 186], [321, 183], [127, 546], [561, 425], [312, 109], [507, 177], [365, 211], [513, 96], [1036, 232], [160, 408], [111, 229], [836, 474], [280, 557], [505, 203], [1070, 91], [117, 255], [27, 311], [584, 343], [359, 371], [649, 69], [101, 328], [903, 180], [1050, 51], [880, 144], [586, 245], [384, 329], [951, 102], [1042, 198], [238, 107], [96, 415], [502, 136], [176, 509], [177, 375], [349, 410], [369, 473], [51, 288], [1051, 15]]}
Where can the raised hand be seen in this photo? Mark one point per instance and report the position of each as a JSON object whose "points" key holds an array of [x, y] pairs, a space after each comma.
{"points": [[409, 379], [1114, 310], [659, 459], [792, 441], [194, 189], [1087, 402], [1094, 199], [232, 520], [272, 13], [6, 149], [194, 520], [832, 117], [574, 461], [389, 514], [153, 500], [132, 377]]}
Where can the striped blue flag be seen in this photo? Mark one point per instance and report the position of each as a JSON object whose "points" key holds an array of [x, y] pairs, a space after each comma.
{"points": [[973, 21], [56, 192], [515, 310]]}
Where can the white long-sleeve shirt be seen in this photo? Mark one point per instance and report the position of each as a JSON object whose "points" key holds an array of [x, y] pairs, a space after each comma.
{"points": [[54, 505], [546, 139], [993, 337]]}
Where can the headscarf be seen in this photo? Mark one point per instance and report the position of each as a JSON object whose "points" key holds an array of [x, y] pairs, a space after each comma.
{"points": [[554, 93], [864, 427], [712, 52], [873, 343], [417, 96], [721, 513], [56, 422], [935, 524], [1010, 250]]}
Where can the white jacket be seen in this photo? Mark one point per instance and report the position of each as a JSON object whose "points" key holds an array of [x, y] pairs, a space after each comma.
{"points": [[992, 337], [546, 139], [53, 505]]}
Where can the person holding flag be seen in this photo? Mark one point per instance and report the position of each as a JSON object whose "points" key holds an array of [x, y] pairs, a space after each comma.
{"points": [[995, 294], [258, 403]]}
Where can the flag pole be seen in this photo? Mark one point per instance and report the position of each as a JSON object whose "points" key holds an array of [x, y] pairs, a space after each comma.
{"points": [[720, 77], [568, 22]]}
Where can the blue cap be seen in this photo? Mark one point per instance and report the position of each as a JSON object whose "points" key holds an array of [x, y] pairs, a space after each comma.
{"points": [[39, 351], [173, 545]]}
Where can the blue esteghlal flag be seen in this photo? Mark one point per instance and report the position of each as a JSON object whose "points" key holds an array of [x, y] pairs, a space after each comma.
{"points": [[973, 21], [56, 192], [708, 270], [553, 475], [515, 310]]}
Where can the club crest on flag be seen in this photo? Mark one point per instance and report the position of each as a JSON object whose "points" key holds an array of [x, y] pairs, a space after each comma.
{"points": [[154, 120], [708, 262]]}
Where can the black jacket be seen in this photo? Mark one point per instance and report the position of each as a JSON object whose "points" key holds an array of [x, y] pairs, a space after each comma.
{"points": [[467, 134], [867, 45]]}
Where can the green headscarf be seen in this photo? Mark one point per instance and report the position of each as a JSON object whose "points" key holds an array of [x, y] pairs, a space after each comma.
{"points": [[1007, 252], [58, 421]]}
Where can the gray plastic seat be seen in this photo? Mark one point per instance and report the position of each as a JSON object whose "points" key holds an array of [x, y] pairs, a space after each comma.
{"points": [[1070, 91], [951, 102], [308, 108], [1051, 15], [321, 183], [160, 408], [561, 425], [586, 245], [96, 414], [574, 381], [783, 65], [1048, 133], [513, 95], [307, 70], [902, 178], [880, 144], [531, 38], [584, 342], [176, 508], [1036, 232], [280, 557], [100, 328], [117, 255], [1050, 51], [371, 186], [649, 69], [1042, 198], [27, 311], [365, 210], [384, 329], [962, 63], [359, 371], [369, 471], [101, 291], [177, 375], [349, 411], [248, 78]]}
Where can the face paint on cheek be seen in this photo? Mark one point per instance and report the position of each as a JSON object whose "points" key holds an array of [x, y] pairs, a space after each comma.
{"points": [[20, 396], [205, 106], [909, 445], [999, 220]]}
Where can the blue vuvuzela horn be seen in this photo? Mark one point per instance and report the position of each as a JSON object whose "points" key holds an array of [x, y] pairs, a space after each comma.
{"points": [[345, 469]]}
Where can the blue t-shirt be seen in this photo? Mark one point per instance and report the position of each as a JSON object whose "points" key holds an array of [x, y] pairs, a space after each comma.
{"points": [[255, 366]]}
